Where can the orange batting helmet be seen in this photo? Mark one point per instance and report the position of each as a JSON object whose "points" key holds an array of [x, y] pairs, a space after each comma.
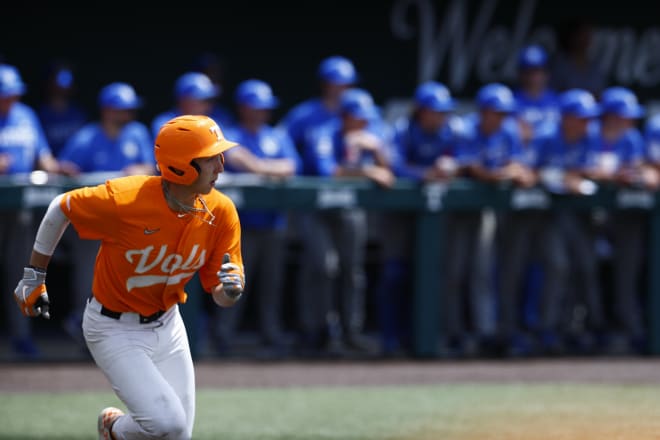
{"points": [[184, 138]]}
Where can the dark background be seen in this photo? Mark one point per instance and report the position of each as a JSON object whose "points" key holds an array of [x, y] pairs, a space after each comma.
{"points": [[279, 42]]}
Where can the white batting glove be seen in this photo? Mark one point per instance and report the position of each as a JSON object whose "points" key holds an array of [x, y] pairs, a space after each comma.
{"points": [[231, 277], [31, 295]]}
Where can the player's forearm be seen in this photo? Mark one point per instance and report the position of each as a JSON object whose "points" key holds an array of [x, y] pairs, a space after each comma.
{"points": [[39, 260], [50, 231]]}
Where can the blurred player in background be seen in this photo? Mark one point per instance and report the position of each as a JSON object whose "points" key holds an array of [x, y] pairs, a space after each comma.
{"points": [[273, 156], [194, 94], [619, 159], [60, 113], [332, 286], [580, 326], [156, 233], [335, 74], [493, 150], [536, 103], [23, 149], [215, 68], [425, 144]]}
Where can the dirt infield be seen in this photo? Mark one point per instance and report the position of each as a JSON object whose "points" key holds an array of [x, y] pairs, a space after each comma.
{"points": [[85, 376]]}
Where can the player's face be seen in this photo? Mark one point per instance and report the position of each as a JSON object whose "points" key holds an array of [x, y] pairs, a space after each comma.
{"points": [[352, 123], [431, 120], [6, 103], [209, 168], [253, 117], [534, 79], [573, 127], [192, 106], [117, 117], [333, 91], [491, 120]]}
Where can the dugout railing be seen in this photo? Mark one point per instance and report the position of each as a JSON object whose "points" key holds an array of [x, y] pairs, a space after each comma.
{"points": [[428, 203]]}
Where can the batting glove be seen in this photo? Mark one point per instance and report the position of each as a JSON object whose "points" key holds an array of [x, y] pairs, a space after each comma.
{"points": [[231, 277], [31, 295]]}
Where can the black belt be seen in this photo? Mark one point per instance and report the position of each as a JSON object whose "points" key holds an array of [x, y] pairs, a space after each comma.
{"points": [[143, 319]]}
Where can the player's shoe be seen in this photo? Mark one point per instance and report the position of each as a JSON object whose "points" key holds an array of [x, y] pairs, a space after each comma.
{"points": [[106, 418]]}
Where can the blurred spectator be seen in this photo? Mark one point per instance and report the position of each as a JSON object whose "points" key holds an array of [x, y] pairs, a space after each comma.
{"points": [[215, 67], [271, 154], [494, 152], [536, 102], [619, 159], [23, 148], [194, 94], [425, 145], [560, 160], [335, 75], [573, 66], [334, 237], [59, 112], [652, 140], [537, 112], [116, 144]]}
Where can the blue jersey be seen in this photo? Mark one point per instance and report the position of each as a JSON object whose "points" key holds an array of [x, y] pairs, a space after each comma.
{"points": [[415, 149], [304, 117], [627, 150], [60, 125], [270, 143], [325, 149], [556, 152], [22, 139], [93, 151], [541, 112], [652, 139], [491, 151]]}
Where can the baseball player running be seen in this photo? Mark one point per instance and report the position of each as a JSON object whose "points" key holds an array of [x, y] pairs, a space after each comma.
{"points": [[156, 232]]}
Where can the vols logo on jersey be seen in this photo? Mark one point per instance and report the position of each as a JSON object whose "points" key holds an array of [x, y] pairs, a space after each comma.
{"points": [[147, 260]]}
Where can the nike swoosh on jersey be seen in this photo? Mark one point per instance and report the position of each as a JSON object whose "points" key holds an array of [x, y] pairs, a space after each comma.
{"points": [[148, 231]]}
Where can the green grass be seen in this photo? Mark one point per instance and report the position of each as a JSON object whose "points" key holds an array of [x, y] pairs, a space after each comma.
{"points": [[442, 412]]}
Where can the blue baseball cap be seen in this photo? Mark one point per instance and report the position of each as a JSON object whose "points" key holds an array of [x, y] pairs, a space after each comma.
{"points": [[256, 94], [434, 96], [580, 103], [358, 103], [120, 96], [532, 56], [195, 85], [621, 101], [64, 78], [496, 96], [11, 83], [337, 70]]}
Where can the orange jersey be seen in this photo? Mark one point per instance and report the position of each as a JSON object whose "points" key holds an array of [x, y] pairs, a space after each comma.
{"points": [[148, 252]]}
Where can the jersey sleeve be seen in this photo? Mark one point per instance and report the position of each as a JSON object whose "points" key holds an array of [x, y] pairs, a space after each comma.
{"points": [[92, 212]]}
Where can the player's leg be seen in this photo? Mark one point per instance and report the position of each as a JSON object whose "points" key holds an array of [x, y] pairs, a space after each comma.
{"points": [[461, 229], [159, 398], [270, 272], [629, 235], [317, 269], [555, 261], [16, 231], [351, 244]]}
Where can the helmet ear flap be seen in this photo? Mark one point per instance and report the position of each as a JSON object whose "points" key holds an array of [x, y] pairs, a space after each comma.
{"points": [[176, 171]]}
